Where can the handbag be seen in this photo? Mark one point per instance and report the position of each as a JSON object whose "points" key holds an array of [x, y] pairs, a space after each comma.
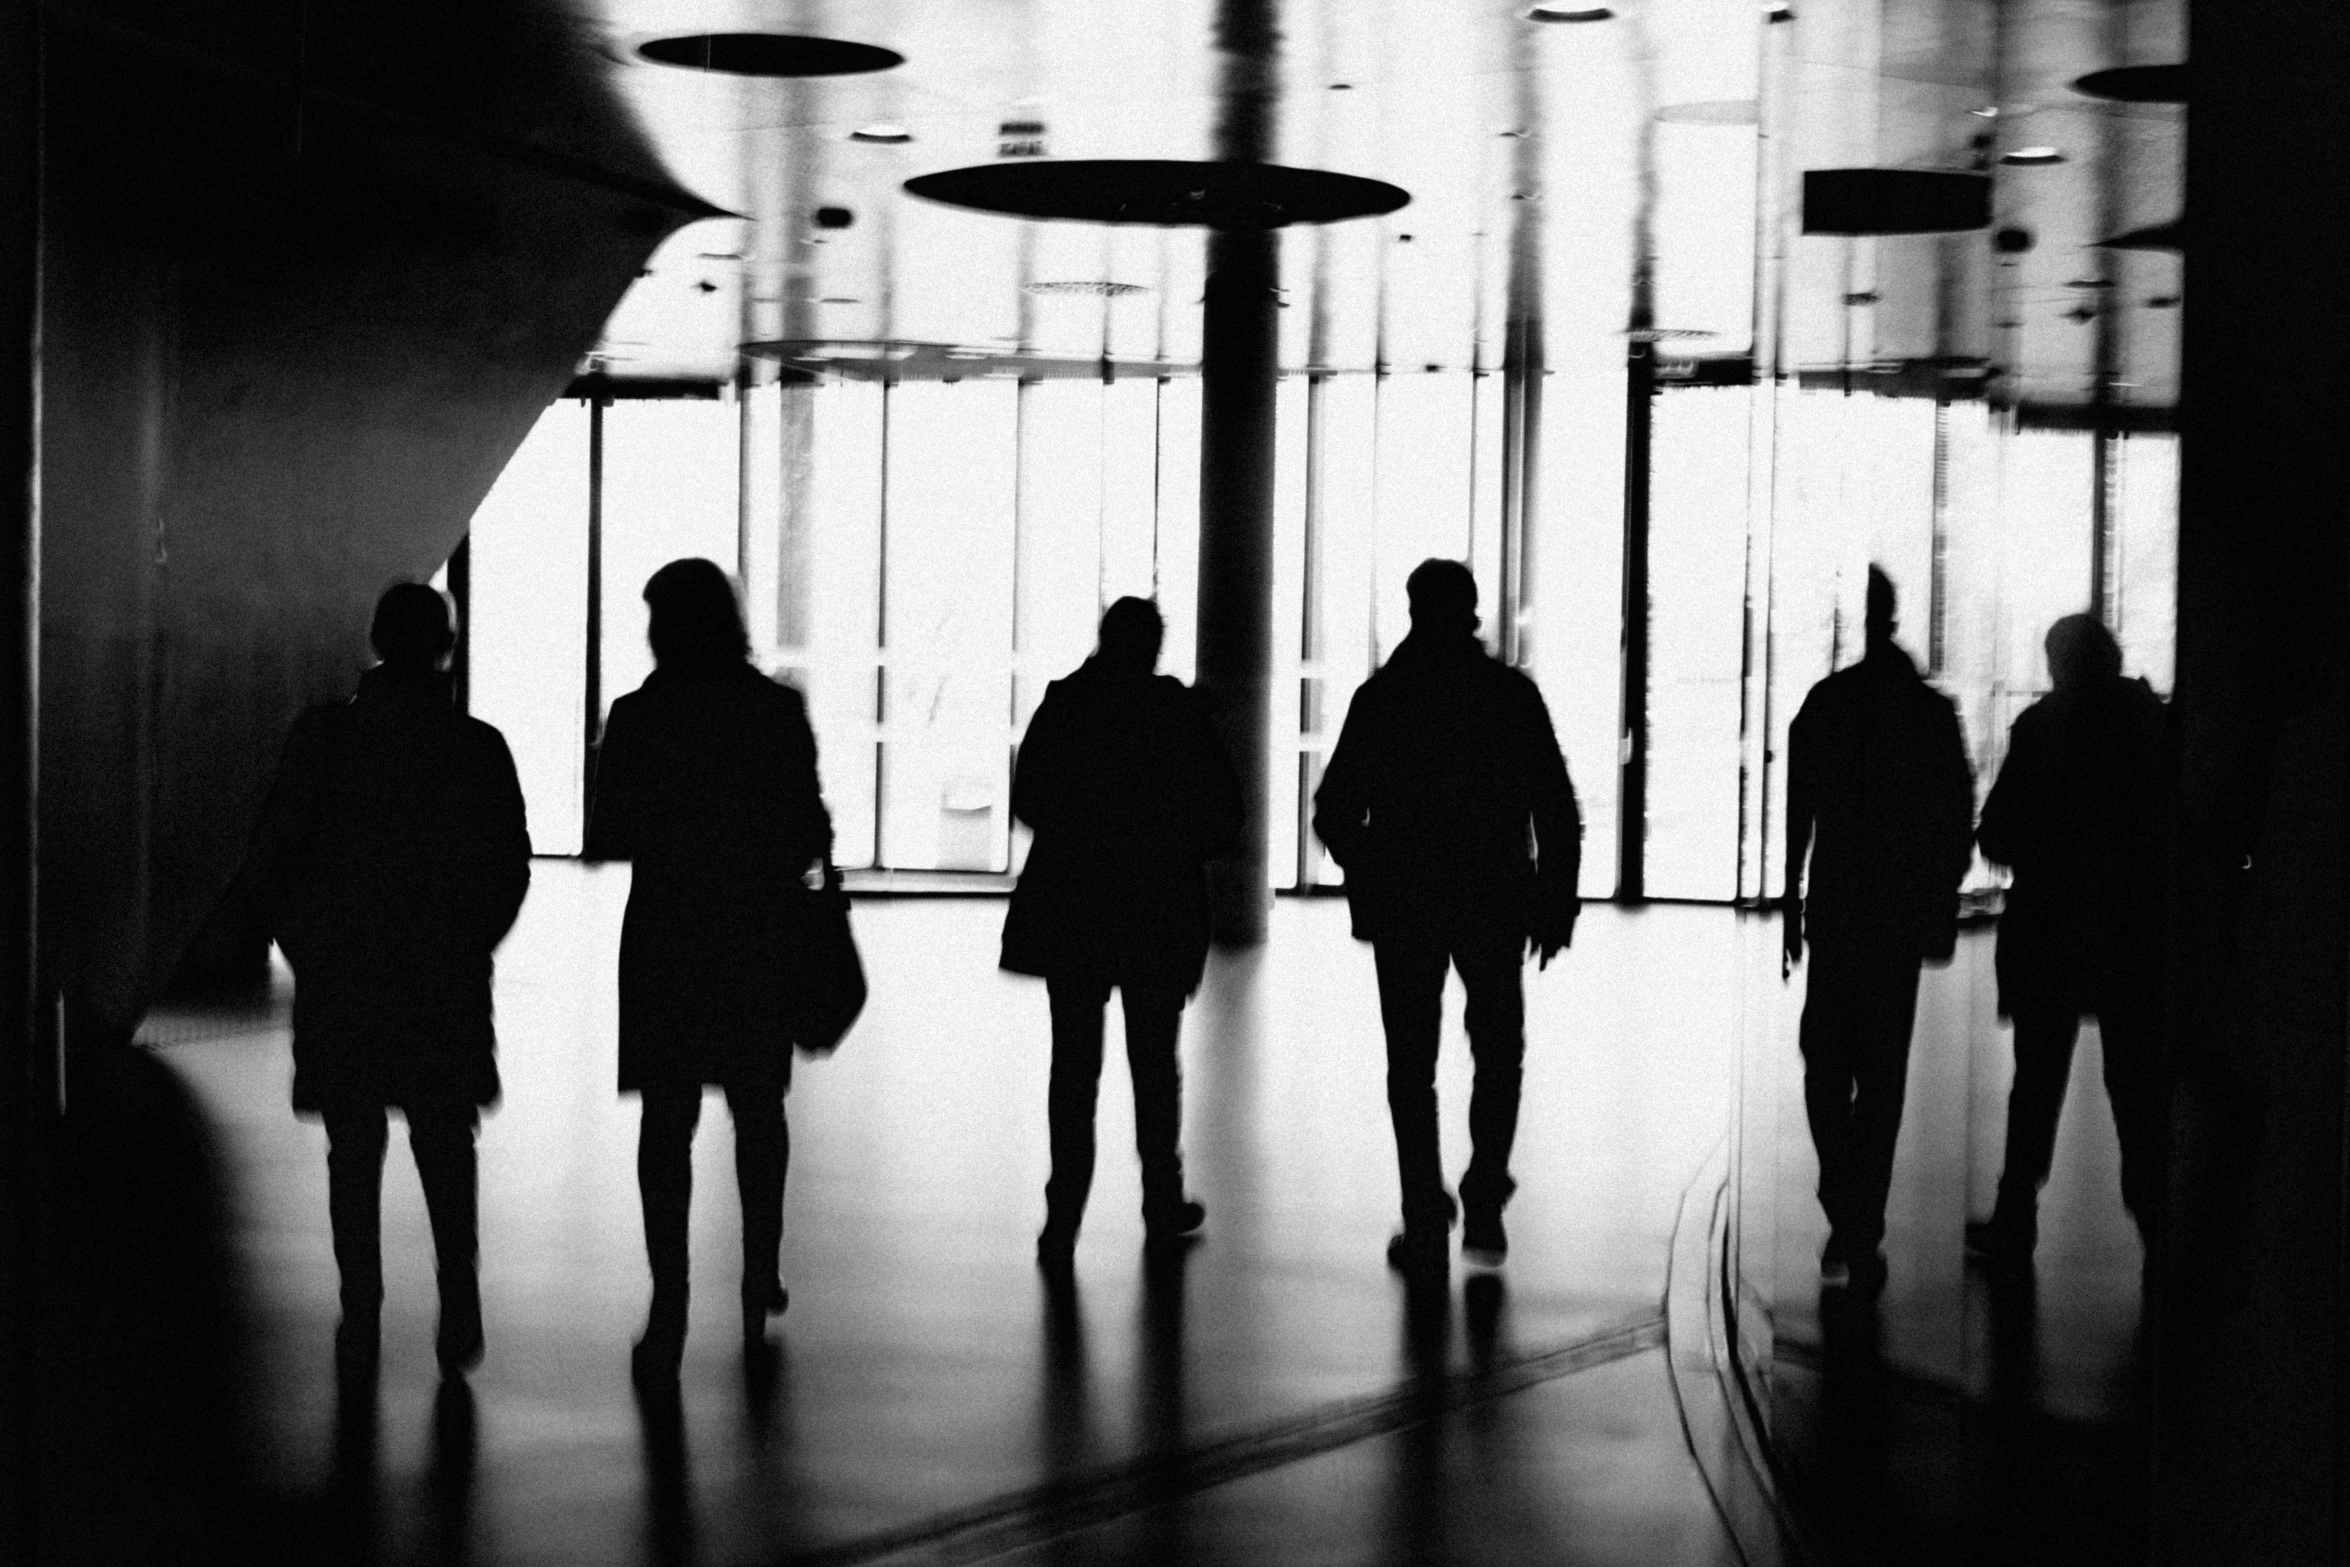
{"points": [[831, 990]]}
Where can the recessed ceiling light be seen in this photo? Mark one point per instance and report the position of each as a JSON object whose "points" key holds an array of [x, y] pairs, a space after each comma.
{"points": [[1989, 111], [1569, 13], [1778, 11], [1342, 87], [2031, 156], [887, 135], [2163, 302], [2088, 282]]}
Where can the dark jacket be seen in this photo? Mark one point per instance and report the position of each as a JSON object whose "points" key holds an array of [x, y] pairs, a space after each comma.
{"points": [[706, 781], [1129, 793], [1446, 760], [2082, 813], [1879, 788], [390, 861]]}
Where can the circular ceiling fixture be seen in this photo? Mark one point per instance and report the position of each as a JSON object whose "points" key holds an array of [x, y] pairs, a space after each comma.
{"points": [[2032, 157], [1778, 11], [1101, 289], [2137, 84], [768, 54], [1569, 13], [1163, 193], [882, 135]]}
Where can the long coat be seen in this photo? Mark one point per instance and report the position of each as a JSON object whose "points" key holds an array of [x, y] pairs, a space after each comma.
{"points": [[1878, 786], [2082, 812], [391, 859], [1446, 800], [706, 780], [1129, 793]]}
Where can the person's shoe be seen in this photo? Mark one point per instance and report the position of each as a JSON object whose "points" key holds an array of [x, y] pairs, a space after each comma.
{"points": [[1172, 1224], [760, 1301], [1484, 1243], [661, 1350], [358, 1346], [458, 1344], [1056, 1246], [1420, 1253], [2002, 1240]]}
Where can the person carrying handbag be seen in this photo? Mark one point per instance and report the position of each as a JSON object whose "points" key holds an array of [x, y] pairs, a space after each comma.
{"points": [[705, 780]]}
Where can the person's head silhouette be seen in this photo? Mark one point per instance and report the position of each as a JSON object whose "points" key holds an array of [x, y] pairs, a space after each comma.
{"points": [[1879, 619], [695, 622], [1130, 636], [2081, 652], [412, 632], [1443, 597]]}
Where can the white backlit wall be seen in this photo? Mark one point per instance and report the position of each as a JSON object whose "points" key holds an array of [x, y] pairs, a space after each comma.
{"points": [[527, 654]]}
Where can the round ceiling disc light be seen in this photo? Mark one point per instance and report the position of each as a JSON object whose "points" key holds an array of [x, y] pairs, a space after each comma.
{"points": [[1570, 13], [2137, 84], [882, 135], [1162, 193], [1778, 11], [768, 54], [2032, 157]]}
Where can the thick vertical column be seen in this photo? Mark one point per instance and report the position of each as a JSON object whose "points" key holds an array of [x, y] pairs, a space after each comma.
{"points": [[1632, 807], [1237, 368], [593, 701], [1239, 359], [20, 622]]}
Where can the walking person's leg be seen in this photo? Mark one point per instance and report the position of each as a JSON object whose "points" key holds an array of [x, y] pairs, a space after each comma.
{"points": [[2035, 1100], [355, 1140], [442, 1139], [1880, 1085], [665, 1184], [1492, 967], [1154, 1019], [1069, 1100], [1827, 1038], [2130, 1036], [1411, 1005], [762, 1155]]}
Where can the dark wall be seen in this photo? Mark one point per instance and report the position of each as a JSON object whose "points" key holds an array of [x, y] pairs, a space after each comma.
{"points": [[311, 275], [2253, 1377]]}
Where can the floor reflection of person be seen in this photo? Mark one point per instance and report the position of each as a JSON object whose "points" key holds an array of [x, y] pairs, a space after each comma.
{"points": [[1447, 804], [1880, 795], [390, 861], [2081, 814], [706, 781], [1127, 788]]}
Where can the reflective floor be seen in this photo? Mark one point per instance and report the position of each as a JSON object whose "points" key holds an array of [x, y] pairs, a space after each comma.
{"points": [[1274, 1394]]}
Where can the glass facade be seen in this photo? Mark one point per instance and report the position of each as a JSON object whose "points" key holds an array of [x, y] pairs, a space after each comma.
{"points": [[922, 558]]}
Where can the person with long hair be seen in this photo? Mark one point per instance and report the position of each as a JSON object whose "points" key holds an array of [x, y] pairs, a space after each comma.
{"points": [[705, 780]]}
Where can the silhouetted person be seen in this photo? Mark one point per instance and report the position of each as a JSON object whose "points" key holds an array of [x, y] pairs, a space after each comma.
{"points": [[390, 861], [2081, 813], [1447, 803], [706, 780], [1128, 792], [1879, 792]]}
